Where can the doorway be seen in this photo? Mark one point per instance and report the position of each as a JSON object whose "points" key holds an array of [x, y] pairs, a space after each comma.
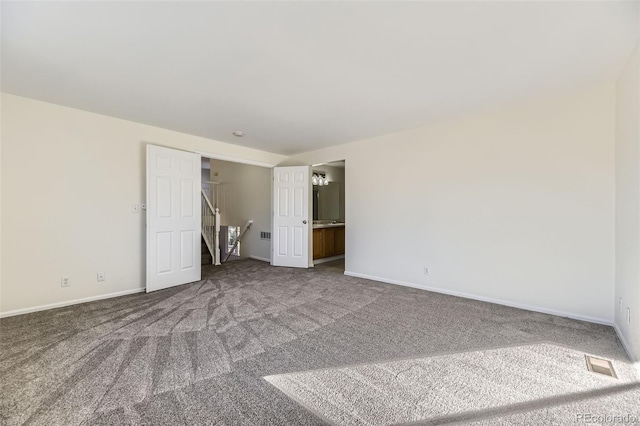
{"points": [[240, 192], [329, 224]]}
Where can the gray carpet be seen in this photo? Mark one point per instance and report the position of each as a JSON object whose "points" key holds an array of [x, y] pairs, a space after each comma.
{"points": [[453, 387], [198, 353]]}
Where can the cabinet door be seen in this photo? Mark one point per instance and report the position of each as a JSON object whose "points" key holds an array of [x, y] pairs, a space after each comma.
{"points": [[329, 245], [318, 243], [339, 241]]}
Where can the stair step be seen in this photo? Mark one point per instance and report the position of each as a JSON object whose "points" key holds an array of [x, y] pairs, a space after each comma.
{"points": [[205, 256]]}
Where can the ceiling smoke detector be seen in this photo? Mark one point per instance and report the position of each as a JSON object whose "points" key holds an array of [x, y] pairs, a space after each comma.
{"points": [[238, 133]]}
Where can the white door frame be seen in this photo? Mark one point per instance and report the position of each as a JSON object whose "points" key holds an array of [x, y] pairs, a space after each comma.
{"points": [[222, 157]]}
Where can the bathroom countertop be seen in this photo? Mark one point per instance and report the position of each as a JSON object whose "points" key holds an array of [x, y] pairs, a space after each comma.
{"points": [[327, 225]]}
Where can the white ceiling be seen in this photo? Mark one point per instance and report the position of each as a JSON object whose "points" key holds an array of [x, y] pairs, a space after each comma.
{"points": [[297, 76]]}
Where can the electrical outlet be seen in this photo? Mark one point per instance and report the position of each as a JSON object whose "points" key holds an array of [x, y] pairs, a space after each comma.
{"points": [[101, 276], [65, 282], [628, 315], [426, 270]]}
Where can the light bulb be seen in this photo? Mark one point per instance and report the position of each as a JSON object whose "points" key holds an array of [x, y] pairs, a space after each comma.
{"points": [[314, 179]]}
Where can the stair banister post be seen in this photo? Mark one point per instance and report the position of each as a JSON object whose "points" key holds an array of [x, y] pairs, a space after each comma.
{"points": [[217, 237]]}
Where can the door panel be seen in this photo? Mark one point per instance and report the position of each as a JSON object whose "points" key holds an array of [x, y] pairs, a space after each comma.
{"points": [[187, 256], [298, 241], [186, 198], [163, 250], [163, 197], [282, 240], [283, 202], [299, 202], [291, 222], [173, 219]]}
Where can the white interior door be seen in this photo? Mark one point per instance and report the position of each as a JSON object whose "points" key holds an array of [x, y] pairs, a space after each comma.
{"points": [[291, 223], [173, 217]]}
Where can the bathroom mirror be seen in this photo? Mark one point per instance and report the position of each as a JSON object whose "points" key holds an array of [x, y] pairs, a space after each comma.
{"points": [[326, 202]]}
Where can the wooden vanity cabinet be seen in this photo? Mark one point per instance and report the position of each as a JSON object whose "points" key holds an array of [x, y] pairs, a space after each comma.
{"points": [[318, 243], [339, 241], [328, 242]]}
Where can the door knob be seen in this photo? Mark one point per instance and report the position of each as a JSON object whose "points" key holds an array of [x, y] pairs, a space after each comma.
{"points": [[304, 222]]}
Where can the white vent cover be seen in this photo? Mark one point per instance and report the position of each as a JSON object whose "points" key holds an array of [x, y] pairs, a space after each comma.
{"points": [[600, 366]]}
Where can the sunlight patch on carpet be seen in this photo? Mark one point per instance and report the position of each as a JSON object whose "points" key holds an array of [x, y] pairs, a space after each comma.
{"points": [[447, 386]]}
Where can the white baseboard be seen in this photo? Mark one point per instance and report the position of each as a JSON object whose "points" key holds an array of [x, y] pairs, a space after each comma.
{"points": [[69, 303], [328, 259], [263, 259], [625, 343], [486, 299]]}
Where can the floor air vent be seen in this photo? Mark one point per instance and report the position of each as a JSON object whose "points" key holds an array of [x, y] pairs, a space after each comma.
{"points": [[600, 366]]}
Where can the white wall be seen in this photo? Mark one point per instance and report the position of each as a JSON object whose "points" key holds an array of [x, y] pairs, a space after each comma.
{"points": [[514, 204], [57, 222], [628, 203], [245, 194]]}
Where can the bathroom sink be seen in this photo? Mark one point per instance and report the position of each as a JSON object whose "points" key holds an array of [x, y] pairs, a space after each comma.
{"points": [[327, 224]]}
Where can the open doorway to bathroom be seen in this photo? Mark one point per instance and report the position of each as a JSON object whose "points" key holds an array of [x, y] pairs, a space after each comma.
{"points": [[329, 225]]}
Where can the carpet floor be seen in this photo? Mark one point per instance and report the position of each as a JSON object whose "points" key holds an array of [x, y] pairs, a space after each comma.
{"points": [[455, 387], [198, 354]]}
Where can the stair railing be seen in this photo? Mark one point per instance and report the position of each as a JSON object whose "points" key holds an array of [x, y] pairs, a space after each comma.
{"points": [[235, 243], [210, 227]]}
